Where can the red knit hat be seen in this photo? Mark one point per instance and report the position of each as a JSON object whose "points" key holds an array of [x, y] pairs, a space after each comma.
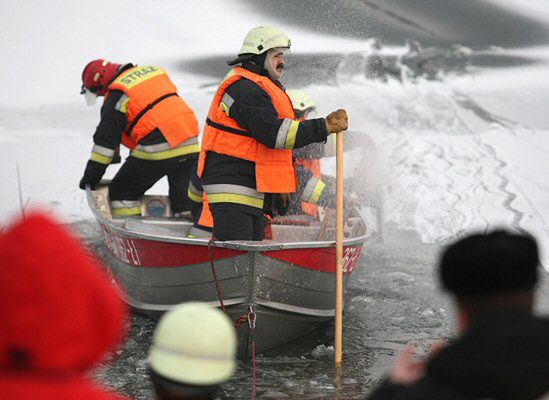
{"points": [[59, 312]]}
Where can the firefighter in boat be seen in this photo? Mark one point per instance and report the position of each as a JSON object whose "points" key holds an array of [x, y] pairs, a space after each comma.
{"points": [[313, 190], [251, 130], [142, 111]]}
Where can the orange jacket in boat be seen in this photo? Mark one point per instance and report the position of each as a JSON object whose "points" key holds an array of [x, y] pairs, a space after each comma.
{"points": [[274, 169], [310, 165], [314, 167], [152, 102]]}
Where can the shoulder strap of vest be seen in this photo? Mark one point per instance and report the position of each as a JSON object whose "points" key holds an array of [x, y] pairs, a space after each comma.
{"points": [[144, 111], [221, 127]]}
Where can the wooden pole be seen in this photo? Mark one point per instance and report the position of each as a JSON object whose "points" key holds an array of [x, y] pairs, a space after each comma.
{"points": [[339, 251]]}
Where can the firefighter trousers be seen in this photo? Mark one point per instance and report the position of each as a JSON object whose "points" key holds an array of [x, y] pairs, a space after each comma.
{"points": [[234, 224], [137, 175]]}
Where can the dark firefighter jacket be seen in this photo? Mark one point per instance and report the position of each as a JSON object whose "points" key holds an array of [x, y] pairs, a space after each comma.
{"points": [[153, 101], [253, 110], [504, 356]]}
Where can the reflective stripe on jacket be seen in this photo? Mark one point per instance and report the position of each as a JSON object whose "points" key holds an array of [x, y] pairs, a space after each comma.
{"points": [[313, 189], [274, 169], [152, 102], [163, 151]]}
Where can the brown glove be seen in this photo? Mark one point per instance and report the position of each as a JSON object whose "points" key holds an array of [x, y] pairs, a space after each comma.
{"points": [[337, 121]]}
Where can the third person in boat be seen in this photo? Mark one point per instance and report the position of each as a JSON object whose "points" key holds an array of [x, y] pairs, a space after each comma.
{"points": [[251, 131], [313, 190]]}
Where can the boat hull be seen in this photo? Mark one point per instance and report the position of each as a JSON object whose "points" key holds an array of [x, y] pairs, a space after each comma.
{"points": [[290, 287]]}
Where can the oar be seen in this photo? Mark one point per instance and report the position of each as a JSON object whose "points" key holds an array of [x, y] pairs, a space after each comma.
{"points": [[339, 250]]}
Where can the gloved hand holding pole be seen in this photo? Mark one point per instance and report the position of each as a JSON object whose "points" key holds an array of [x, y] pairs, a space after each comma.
{"points": [[337, 121]]}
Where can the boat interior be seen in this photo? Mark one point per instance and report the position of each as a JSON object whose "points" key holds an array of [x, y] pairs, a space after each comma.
{"points": [[157, 219]]}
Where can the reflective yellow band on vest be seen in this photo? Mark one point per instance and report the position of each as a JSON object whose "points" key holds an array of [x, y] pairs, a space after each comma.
{"points": [[104, 151], [225, 108], [194, 197], [292, 134], [127, 211], [313, 190], [317, 192], [287, 132], [235, 198], [163, 155], [100, 158], [122, 104], [235, 189], [193, 189]]}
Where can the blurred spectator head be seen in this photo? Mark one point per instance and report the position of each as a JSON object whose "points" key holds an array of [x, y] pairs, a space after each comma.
{"points": [[60, 315], [493, 270], [193, 351]]}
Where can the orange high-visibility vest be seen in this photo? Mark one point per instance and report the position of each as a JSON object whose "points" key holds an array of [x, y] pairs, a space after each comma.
{"points": [[206, 217], [314, 167], [274, 168], [153, 103]]}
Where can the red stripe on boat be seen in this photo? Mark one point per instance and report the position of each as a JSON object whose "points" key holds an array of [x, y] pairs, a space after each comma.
{"points": [[150, 253], [318, 259]]}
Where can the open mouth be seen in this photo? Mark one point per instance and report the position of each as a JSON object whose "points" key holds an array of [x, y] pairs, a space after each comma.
{"points": [[279, 67]]}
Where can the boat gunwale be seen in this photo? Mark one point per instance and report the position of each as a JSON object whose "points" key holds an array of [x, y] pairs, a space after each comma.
{"points": [[233, 245]]}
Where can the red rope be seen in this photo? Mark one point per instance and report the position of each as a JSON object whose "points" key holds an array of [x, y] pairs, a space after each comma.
{"points": [[255, 369], [249, 317], [241, 320], [251, 326]]}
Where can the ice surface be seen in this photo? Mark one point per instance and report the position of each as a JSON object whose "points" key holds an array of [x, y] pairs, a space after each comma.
{"points": [[455, 153]]}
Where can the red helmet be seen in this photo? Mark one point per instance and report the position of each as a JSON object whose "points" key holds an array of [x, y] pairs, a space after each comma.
{"points": [[97, 75]]}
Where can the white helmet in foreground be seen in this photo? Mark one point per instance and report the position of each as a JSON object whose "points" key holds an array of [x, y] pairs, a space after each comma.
{"points": [[195, 345]]}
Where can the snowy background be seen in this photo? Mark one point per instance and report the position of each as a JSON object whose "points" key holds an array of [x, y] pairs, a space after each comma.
{"points": [[463, 148], [461, 131]]}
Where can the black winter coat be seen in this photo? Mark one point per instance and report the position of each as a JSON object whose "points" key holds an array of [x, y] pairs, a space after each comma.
{"points": [[504, 356]]}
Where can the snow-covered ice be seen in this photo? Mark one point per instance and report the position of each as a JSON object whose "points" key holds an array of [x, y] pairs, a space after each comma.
{"points": [[459, 153]]}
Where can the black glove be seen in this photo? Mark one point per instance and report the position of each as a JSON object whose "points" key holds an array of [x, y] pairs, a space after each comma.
{"points": [[92, 175]]}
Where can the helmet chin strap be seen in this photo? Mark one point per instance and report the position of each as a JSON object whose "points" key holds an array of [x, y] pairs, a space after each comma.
{"points": [[90, 97]]}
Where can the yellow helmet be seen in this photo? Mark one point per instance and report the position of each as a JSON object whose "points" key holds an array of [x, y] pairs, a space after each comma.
{"points": [[263, 38], [194, 344], [301, 101]]}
